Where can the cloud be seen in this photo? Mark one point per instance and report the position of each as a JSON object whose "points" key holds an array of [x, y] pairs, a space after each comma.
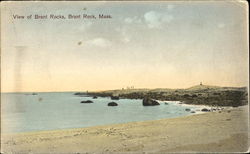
{"points": [[130, 20], [99, 42], [125, 38], [156, 19], [221, 25]]}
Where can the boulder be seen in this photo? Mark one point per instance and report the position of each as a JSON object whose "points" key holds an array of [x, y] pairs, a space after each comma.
{"points": [[112, 104], [166, 103], [149, 102], [114, 97], [205, 110], [192, 111], [88, 101], [187, 109], [94, 97]]}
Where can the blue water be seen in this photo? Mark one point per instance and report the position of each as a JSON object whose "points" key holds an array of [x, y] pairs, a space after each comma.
{"points": [[23, 113]]}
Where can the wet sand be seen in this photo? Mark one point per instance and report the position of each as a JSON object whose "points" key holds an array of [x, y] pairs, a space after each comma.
{"points": [[210, 132]]}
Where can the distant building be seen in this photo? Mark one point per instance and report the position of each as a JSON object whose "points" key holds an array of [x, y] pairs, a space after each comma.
{"points": [[130, 87]]}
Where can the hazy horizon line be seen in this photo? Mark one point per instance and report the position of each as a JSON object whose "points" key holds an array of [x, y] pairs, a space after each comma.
{"points": [[119, 89]]}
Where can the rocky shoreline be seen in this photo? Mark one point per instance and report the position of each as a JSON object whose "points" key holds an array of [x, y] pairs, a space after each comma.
{"points": [[197, 95]]}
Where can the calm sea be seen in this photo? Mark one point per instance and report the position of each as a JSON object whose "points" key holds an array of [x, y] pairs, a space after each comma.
{"points": [[50, 111]]}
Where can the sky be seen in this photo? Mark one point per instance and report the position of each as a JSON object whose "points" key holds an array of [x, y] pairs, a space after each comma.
{"points": [[145, 44]]}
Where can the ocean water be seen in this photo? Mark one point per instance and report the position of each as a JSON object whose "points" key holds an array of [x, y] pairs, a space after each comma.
{"points": [[51, 111]]}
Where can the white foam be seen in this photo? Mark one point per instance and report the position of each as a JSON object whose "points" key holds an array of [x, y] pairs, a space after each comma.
{"points": [[197, 109]]}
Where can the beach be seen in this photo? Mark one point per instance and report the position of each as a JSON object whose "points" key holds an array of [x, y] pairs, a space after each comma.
{"points": [[110, 77], [220, 131]]}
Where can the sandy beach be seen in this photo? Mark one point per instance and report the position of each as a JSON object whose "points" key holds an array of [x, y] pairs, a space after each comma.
{"points": [[225, 131]]}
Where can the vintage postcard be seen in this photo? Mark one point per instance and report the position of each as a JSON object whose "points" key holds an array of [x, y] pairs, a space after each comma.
{"points": [[124, 76]]}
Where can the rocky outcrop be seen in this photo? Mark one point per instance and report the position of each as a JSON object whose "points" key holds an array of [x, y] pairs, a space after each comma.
{"points": [[114, 97], [79, 93], [187, 109], [88, 101], [199, 95], [149, 102], [112, 104], [205, 110]]}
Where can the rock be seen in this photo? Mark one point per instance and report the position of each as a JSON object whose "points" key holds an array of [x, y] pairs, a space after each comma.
{"points": [[114, 97], [166, 103], [149, 102], [79, 93], [205, 110], [187, 110], [88, 101], [192, 111], [235, 105], [112, 104], [34, 94], [94, 97]]}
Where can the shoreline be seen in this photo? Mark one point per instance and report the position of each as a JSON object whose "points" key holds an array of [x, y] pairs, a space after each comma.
{"points": [[198, 95], [210, 132], [75, 129], [197, 111], [104, 125], [198, 107]]}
